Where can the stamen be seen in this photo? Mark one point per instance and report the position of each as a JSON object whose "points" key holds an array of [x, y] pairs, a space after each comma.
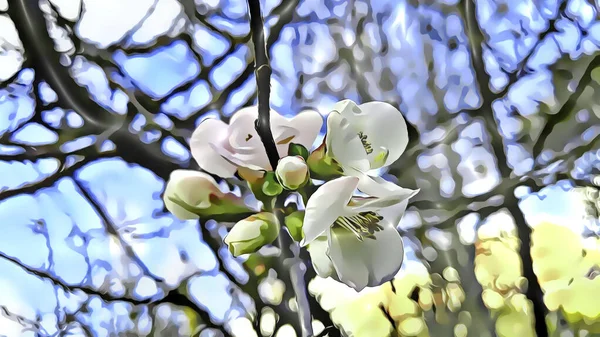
{"points": [[363, 138], [363, 225]]}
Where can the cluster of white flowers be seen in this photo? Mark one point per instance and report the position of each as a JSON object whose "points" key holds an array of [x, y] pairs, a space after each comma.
{"points": [[350, 238]]}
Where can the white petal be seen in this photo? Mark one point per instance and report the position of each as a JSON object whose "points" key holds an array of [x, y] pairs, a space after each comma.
{"points": [[328, 203], [381, 188], [319, 258], [344, 145], [384, 126], [368, 263], [211, 134], [304, 128], [394, 213], [245, 147], [395, 196], [240, 160], [191, 187]]}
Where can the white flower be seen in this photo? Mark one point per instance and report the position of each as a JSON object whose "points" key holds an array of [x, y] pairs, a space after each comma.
{"points": [[192, 188], [220, 148], [354, 239], [292, 172], [365, 137]]}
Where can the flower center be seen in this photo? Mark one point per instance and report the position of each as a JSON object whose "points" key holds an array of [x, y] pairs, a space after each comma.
{"points": [[363, 138], [363, 225]]}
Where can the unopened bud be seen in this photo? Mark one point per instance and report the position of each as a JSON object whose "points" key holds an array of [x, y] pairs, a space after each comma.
{"points": [[292, 172], [249, 235], [188, 193]]}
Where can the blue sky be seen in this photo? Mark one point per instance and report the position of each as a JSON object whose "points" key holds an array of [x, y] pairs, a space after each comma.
{"points": [[59, 231]]}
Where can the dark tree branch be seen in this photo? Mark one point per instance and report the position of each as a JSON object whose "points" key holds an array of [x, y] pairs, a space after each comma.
{"points": [[46, 275], [522, 68], [263, 128], [112, 229], [534, 291], [262, 70], [477, 39], [566, 109], [39, 46]]}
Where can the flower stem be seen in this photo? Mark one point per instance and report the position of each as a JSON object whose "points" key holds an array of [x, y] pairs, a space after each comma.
{"points": [[262, 70], [290, 251]]}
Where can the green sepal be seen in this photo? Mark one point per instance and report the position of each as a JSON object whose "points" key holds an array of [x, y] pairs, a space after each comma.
{"points": [[294, 222], [229, 208], [322, 166], [298, 150], [270, 186]]}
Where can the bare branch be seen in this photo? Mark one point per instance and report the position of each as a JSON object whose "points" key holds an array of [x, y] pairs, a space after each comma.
{"points": [[262, 69], [566, 109]]}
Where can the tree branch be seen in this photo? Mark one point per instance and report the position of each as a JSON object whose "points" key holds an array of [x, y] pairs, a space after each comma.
{"points": [[31, 23], [262, 70], [566, 109], [534, 291], [263, 128], [477, 38]]}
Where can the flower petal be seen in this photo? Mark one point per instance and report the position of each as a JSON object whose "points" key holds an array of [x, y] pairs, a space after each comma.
{"points": [[344, 145], [381, 188], [328, 203], [369, 263], [191, 187], [245, 146], [238, 159], [395, 196], [383, 126], [319, 258], [211, 134], [304, 128]]}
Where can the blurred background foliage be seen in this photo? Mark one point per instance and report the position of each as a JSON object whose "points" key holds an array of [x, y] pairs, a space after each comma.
{"points": [[98, 99]]}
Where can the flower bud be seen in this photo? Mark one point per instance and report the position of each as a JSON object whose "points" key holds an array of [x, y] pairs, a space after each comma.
{"points": [[249, 235], [292, 172], [188, 191]]}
